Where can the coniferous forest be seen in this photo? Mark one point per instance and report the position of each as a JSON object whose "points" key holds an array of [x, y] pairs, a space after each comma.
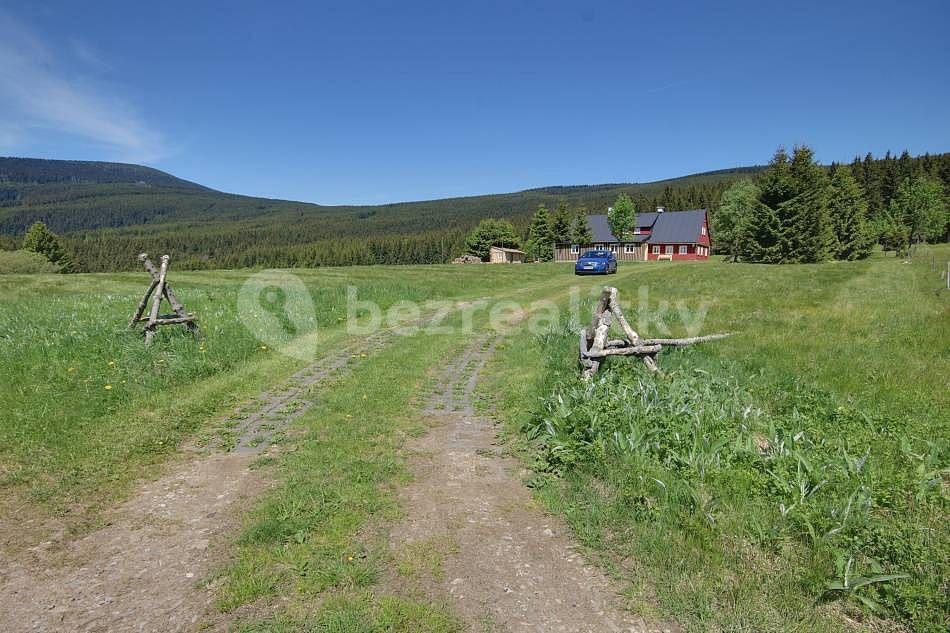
{"points": [[106, 213]]}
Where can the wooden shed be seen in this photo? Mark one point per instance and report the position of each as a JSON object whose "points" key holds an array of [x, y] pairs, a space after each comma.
{"points": [[499, 255]]}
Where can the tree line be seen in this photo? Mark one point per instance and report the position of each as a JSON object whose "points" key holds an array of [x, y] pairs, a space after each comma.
{"points": [[103, 226], [797, 210]]}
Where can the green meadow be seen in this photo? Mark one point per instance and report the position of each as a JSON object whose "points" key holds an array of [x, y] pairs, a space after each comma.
{"points": [[791, 477]]}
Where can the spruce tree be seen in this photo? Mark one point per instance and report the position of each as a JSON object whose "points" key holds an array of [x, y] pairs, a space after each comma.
{"points": [[848, 207], [807, 231], [561, 224], [541, 236], [775, 182], [580, 229], [760, 236]]}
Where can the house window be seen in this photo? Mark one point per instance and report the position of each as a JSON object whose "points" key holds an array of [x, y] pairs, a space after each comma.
{"points": [[636, 231], [656, 249], [684, 249], [575, 249], [704, 229], [629, 248], [668, 249]]}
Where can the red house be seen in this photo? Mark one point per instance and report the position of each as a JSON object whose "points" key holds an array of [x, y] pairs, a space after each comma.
{"points": [[658, 235]]}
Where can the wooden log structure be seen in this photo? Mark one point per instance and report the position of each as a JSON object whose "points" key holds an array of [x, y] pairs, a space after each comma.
{"points": [[595, 345], [159, 289]]}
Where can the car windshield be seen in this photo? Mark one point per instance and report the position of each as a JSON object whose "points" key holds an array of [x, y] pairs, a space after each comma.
{"points": [[597, 254]]}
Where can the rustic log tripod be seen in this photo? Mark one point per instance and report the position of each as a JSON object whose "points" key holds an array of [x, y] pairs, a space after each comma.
{"points": [[160, 287], [595, 346]]}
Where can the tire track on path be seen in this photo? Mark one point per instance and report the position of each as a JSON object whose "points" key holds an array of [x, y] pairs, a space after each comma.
{"points": [[145, 570], [507, 565]]}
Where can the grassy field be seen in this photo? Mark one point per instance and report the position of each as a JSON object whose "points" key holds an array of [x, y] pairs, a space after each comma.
{"points": [[771, 481], [87, 406], [729, 493]]}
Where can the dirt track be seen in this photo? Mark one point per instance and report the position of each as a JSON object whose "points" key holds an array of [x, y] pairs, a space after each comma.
{"points": [[507, 566], [142, 571]]}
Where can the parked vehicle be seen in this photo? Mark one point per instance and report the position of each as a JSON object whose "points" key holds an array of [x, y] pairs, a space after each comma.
{"points": [[596, 263]]}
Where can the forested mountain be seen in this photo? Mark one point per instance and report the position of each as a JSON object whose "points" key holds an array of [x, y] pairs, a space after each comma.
{"points": [[109, 212], [42, 171]]}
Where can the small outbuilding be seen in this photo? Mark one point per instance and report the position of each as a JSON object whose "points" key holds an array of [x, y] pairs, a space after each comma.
{"points": [[499, 255]]}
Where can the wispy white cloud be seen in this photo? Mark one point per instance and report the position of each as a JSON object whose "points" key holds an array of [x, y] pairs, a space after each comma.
{"points": [[37, 92]]}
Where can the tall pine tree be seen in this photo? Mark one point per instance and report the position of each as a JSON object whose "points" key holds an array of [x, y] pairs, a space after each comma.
{"points": [[561, 224], [540, 246], [580, 229], [760, 236], [849, 208]]}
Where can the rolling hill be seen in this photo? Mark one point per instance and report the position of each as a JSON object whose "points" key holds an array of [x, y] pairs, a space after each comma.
{"points": [[108, 212]]}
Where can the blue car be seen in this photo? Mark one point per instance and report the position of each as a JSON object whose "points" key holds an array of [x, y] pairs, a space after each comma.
{"points": [[596, 263]]}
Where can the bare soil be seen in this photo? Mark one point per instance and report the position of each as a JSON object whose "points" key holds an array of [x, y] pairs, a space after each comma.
{"points": [[503, 564]]}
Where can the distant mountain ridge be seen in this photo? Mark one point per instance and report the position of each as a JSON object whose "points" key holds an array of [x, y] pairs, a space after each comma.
{"points": [[45, 171]]}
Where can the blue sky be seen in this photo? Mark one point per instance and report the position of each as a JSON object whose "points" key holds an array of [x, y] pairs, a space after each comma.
{"points": [[388, 101]]}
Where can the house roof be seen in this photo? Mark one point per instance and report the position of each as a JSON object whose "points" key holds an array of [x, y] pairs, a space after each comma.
{"points": [[678, 227], [668, 227], [599, 229]]}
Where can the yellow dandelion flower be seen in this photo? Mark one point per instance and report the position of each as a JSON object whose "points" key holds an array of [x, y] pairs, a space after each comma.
{"points": [[71, 370], [111, 363], [349, 558], [264, 347], [108, 387], [362, 355]]}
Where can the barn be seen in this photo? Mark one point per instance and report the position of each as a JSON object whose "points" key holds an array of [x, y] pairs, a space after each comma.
{"points": [[660, 234]]}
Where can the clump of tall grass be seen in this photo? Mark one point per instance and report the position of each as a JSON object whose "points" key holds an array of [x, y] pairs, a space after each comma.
{"points": [[712, 450]]}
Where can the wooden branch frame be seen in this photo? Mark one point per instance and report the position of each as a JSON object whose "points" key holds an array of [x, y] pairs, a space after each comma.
{"points": [[159, 289], [595, 346]]}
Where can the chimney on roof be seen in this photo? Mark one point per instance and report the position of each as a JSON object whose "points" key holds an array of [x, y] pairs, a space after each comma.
{"points": [[660, 209]]}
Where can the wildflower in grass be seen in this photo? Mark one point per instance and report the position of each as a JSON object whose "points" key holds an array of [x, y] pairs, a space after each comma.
{"points": [[70, 370], [362, 355], [111, 363], [108, 387], [349, 558], [264, 347]]}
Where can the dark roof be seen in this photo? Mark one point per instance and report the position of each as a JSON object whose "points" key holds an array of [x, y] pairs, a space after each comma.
{"points": [[681, 227], [599, 229], [668, 227], [646, 219]]}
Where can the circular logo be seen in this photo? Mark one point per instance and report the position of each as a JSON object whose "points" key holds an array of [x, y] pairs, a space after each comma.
{"points": [[277, 309]]}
